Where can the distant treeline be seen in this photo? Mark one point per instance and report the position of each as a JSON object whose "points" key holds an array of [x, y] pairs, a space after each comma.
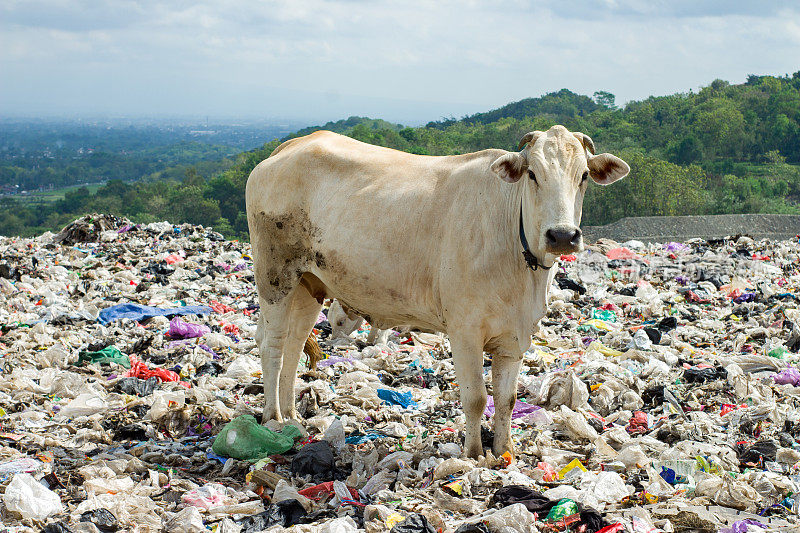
{"points": [[33, 172], [725, 149]]}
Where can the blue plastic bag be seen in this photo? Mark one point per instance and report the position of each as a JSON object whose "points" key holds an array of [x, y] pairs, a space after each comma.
{"points": [[391, 397]]}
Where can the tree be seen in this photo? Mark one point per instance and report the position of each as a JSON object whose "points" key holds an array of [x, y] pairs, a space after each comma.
{"points": [[605, 98], [689, 151]]}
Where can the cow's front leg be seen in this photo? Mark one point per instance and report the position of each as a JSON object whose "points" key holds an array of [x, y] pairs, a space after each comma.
{"points": [[505, 371], [468, 361]]}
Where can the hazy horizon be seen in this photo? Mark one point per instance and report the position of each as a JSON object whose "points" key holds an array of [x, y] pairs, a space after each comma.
{"points": [[412, 62]]}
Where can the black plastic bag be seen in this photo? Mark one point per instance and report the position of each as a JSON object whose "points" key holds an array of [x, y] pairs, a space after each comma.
{"points": [[592, 519], [533, 500], [102, 518], [57, 527], [414, 523], [212, 368], [653, 334], [479, 527], [668, 324], [315, 459], [566, 283], [653, 396], [284, 513], [701, 375], [138, 387], [131, 432], [766, 449]]}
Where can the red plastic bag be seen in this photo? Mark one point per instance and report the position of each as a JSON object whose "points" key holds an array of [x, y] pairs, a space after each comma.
{"points": [[727, 408], [550, 473], [324, 490], [220, 307], [638, 423], [141, 371]]}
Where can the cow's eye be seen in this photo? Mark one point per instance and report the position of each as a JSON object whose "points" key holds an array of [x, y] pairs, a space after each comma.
{"points": [[585, 176], [532, 176]]}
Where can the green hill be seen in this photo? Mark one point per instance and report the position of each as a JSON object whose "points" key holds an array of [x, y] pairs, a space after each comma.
{"points": [[724, 149]]}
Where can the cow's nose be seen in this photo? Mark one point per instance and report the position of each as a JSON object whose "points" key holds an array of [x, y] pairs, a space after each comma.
{"points": [[563, 238]]}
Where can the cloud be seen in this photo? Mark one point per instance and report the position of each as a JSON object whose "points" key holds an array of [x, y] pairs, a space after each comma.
{"points": [[387, 57]]}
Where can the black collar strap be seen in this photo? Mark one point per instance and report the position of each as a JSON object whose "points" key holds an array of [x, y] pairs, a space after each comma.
{"points": [[530, 259]]}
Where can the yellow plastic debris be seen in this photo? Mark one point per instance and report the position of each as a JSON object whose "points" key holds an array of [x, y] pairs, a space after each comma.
{"points": [[603, 349], [575, 463], [602, 325], [394, 519]]}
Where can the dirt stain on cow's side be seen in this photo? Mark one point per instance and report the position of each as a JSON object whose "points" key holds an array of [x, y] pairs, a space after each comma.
{"points": [[283, 244], [287, 247]]}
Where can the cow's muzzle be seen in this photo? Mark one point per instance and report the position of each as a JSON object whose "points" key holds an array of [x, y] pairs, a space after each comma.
{"points": [[563, 239]]}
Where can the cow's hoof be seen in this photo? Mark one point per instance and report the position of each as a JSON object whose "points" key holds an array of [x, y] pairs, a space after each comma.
{"points": [[473, 452], [274, 425], [500, 448], [271, 414], [290, 415]]}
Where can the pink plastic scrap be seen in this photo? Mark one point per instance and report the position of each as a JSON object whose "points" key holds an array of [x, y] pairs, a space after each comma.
{"points": [[520, 408], [621, 253], [789, 375], [178, 329]]}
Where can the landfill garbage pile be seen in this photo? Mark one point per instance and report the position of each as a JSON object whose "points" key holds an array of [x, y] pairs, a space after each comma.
{"points": [[661, 393]]}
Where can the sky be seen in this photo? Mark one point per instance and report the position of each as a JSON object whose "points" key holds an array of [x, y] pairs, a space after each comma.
{"points": [[403, 60]]}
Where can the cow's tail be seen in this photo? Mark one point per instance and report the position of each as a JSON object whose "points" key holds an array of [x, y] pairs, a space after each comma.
{"points": [[313, 351]]}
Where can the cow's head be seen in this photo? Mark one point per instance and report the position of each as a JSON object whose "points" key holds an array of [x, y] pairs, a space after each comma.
{"points": [[556, 166], [343, 321]]}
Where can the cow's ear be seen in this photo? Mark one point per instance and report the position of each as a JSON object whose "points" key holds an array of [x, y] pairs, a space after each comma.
{"points": [[605, 169], [510, 167]]}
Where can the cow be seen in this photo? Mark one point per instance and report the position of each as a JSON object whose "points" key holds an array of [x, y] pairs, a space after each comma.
{"points": [[462, 244], [344, 322]]}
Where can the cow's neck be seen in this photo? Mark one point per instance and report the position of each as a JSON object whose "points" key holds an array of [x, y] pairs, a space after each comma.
{"points": [[532, 283], [534, 259]]}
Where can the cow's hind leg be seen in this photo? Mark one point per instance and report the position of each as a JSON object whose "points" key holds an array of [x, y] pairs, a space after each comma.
{"points": [[302, 317], [273, 328]]}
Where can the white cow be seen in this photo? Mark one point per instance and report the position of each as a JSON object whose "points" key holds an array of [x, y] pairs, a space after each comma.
{"points": [[344, 322], [460, 244]]}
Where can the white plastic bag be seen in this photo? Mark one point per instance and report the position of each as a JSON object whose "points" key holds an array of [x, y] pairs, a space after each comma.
{"points": [[85, 404], [31, 499], [339, 525], [186, 521]]}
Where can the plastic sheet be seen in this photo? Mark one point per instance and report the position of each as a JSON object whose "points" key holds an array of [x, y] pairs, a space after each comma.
{"points": [[140, 312]]}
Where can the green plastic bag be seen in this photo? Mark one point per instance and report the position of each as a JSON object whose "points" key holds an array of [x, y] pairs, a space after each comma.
{"points": [[604, 314], [245, 439], [565, 507], [778, 353], [109, 354]]}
